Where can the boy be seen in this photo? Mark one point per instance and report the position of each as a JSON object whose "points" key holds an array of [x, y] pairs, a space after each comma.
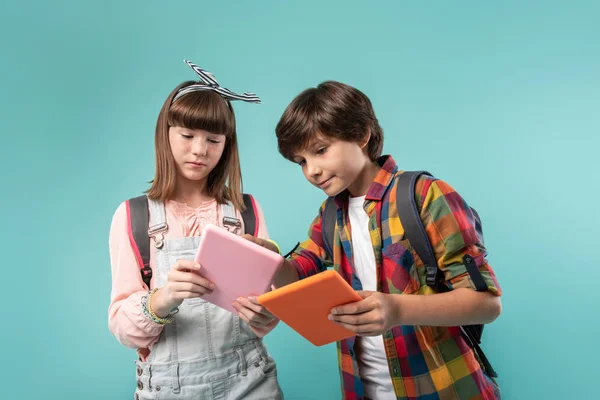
{"points": [[409, 343]]}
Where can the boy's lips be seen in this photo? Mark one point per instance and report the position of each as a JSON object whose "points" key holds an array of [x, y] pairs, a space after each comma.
{"points": [[325, 182]]}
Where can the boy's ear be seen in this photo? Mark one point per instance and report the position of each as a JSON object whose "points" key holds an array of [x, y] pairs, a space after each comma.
{"points": [[363, 143]]}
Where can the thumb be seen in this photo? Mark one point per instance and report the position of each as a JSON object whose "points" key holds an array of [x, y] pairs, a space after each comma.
{"points": [[365, 293]]}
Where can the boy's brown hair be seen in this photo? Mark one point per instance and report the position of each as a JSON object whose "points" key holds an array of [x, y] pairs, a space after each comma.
{"points": [[208, 111], [331, 110]]}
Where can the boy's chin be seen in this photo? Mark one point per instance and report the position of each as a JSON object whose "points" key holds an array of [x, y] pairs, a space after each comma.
{"points": [[332, 192]]}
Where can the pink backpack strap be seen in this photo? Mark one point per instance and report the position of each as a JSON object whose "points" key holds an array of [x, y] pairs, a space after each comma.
{"points": [[137, 230]]}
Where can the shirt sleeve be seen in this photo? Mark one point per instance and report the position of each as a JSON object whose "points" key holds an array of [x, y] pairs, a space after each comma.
{"points": [[310, 257], [455, 237]]}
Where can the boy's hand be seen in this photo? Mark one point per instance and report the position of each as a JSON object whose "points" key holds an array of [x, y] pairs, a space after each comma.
{"points": [[261, 242], [372, 316]]}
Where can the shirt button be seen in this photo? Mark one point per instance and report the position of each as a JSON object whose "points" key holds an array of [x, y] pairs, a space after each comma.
{"points": [[395, 371], [139, 371], [157, 388], [140, 385]]}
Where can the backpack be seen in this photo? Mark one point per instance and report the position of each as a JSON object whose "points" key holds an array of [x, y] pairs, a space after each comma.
{"points": [[415, 233], [140, 232]]}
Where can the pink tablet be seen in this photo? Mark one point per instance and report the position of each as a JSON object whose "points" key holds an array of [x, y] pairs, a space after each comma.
{"points": [[238, 267]]}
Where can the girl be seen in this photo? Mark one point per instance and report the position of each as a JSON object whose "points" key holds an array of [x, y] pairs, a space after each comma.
{"points": [[187, 347]]}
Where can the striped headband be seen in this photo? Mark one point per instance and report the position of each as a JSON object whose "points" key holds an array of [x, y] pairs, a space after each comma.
{"points": [[208, 82]]}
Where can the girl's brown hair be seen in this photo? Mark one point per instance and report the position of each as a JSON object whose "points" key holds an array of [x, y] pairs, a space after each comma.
{"points": [[208, 111]]}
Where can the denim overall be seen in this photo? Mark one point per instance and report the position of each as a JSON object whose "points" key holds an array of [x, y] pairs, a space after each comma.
{"points": [[207, 352]]}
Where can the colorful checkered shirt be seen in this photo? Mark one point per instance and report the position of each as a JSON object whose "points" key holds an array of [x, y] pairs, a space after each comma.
{"points": [[425, 362]]}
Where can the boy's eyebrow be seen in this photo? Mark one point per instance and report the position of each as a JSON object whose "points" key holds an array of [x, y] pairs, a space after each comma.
{"points": [[312, 147], [316, 145]]}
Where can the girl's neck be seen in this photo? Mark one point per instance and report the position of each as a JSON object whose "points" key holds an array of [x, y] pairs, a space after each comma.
{"points": [[194, 194]]}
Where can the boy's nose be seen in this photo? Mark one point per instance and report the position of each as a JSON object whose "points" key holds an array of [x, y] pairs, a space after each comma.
{"points": [[313, 170]]}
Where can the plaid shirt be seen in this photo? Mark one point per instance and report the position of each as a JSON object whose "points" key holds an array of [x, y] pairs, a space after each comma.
{"points": [[425, 362]]}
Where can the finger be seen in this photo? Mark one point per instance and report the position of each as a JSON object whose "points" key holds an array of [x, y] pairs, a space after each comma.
{"points": [[263, 310], [186, 295], [355, 319], [190, 277], [188, 287], [358, 307], [186, 265], [242, 316], [361, 330], [252, 303], [249, 237], [365, 293], [251, 317], [261, 242], [202, 281], [249, 304], [370, 333]]}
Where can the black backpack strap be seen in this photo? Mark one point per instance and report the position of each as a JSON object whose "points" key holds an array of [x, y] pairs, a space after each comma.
{"points": [[410, 218], [489, 370], [249, 215], [413, 226], [138, 221], [328, 225]]}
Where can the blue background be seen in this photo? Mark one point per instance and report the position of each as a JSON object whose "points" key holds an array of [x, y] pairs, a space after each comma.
{"points": [[499, 99]]}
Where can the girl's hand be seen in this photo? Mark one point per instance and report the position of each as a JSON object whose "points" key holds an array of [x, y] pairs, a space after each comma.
{"points": [[252, 312], [183, 282]]}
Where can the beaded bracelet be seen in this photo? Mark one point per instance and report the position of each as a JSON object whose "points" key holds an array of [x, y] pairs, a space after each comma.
{"points": [[148, 313], [274, 244]]}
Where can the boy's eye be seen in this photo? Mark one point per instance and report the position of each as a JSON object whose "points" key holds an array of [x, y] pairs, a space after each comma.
{"points": [[301, 163], [322, 150], [187, 136], [213, 141]]}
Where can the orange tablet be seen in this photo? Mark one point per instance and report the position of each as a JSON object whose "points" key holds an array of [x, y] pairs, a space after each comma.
{"points": [[306, 304]]}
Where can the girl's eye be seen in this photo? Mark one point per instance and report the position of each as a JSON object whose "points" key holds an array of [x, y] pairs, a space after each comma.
{"points": [[322, 150], [186, 136], [214, 141], [301, 163]]}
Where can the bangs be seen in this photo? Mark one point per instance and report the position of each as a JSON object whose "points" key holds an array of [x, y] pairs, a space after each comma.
{"points": [[331, 111], [302, 124], [203, 109], [303, 139]]}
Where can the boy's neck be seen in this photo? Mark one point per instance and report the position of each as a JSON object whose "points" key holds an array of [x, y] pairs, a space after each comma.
{"points": [[363, 181]]}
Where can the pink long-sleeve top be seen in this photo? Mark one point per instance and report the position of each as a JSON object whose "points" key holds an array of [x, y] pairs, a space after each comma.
{"points": [[125, 318]]}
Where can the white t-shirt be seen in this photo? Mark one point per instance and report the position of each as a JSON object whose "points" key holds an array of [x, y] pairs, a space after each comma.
{"points": [[372, 360]]}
